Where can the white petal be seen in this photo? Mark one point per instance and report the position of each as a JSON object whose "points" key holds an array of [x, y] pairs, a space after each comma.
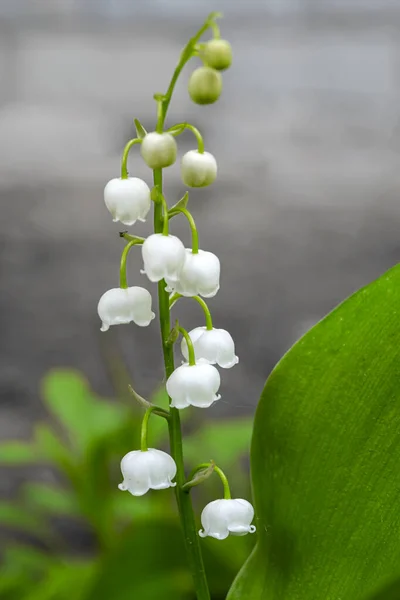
{"points": [[127, 199], [162, 469], [221, 517], [163, 257], [216, 346], [195, 385], [198, 170], [194, 336], [141, 300], [213, 521], [121, 306], [142, 471], [134, 467], [199, 275]]}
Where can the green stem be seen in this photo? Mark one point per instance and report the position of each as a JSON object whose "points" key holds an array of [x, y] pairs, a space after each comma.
{"points": [[123, 281], [125, 154], [216, 31], [165, 230], [209, 324], [222, 476], [195, 235], [186, 55], [143, 431], [184, 502], [180, 127], [192, 360]]}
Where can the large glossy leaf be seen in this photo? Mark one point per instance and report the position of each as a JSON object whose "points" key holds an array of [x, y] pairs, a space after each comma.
{"points": [[389, 592], [325, 458]]}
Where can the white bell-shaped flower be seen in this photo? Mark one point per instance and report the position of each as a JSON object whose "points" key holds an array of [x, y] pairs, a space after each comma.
{"points": [[163, 257], [199, 275], [194, 385], [128, 200], [198, 169], [216, 346], [120, 306], [142, 471], [222, 517], [158, 150]]}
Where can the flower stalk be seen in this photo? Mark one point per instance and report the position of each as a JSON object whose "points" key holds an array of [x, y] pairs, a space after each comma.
{"points": [[184, 501], [181, 272], [125, 154], [123, 279]]}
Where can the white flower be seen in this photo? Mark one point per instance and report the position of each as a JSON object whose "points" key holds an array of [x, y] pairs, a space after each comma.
{"points": [[128, 200], [216, 346], [119, 306], [199, 275], [195, 385], [163, 257], [142, 471], [198, 170], [158, 150], [222, 517]]}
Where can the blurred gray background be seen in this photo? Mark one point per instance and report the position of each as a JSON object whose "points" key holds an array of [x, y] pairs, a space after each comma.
{"points": [[305, 209]]}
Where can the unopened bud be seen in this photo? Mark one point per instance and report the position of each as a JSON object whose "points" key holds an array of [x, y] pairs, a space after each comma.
{"points": [[158, 150], [217, 54], [205, 85]]}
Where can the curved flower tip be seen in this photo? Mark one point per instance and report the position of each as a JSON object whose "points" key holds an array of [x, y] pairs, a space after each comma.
{"points": [[163, 257], [199, 276], [120, 306], [216, 346], [223, 517], [195, 385], [142, 471], [128, 200]]}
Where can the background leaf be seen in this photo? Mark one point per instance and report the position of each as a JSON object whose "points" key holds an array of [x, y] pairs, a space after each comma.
{"points": [[325, 458], [17, 453], [51, 500], [224, 441], [17, 517], [140, 568]]}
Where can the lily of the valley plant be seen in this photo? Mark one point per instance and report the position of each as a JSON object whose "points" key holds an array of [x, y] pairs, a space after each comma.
{"points": [[180, 273]]}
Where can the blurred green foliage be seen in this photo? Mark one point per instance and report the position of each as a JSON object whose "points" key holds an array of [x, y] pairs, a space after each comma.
{"points": [[79, 536]]}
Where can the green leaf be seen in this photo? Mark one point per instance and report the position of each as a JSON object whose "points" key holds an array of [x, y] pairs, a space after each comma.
{"points": [[23, 559], [17, 453], [84, 417], [182, 203], [51, 449], [147, 564], [140, 130], [325, 458], [223, 441], [16, 517], [389, 592], [51, 500], [200, 476], [63, 582], [66, 394]]}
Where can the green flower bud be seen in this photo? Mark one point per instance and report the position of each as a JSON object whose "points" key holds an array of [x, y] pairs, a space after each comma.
{"points": [[158, 150], [217, 54], [205, 85]]}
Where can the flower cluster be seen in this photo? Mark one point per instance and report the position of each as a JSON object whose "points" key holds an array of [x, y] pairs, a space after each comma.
{"points": [[181, 273]]}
